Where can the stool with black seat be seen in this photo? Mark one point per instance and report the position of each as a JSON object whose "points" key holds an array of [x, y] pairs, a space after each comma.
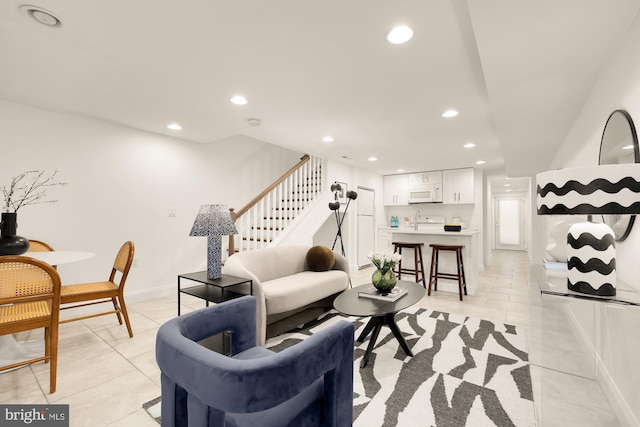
{"points": [[418, 266], [435, 274]]}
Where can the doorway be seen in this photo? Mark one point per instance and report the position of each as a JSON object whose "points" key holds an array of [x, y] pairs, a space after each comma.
{"points": [[365, 225], [510, 224]]}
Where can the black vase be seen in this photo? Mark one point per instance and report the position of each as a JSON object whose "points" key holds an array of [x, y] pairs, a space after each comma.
{"points": [[10, 244]]}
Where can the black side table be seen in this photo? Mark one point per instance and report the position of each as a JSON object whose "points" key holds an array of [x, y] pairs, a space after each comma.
{"points": [[213, 290]]}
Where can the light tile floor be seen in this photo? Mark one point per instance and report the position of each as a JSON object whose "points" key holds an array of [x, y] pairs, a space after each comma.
{"points": [[105, 376]]}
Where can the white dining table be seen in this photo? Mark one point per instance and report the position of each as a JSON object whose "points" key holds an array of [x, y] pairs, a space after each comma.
{"points": [[60, 257], [11, 350]]}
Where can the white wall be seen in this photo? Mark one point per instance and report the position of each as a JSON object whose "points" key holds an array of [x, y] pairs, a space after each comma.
{"points": [[617, 88], [489, 229], [616, 343], [121, 183]]}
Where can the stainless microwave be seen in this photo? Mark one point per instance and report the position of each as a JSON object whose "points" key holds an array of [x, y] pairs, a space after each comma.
{"points": [[426, 193]]}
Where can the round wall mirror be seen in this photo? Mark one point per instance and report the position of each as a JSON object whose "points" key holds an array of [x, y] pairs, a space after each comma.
{"points": [[619, 144]]}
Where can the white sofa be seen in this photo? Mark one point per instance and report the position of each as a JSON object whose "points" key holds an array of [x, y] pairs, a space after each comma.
{"points": [[287, 293]]}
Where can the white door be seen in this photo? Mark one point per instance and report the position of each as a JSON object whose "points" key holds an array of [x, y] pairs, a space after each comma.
{"points": [[509, 226], [366, 225]]}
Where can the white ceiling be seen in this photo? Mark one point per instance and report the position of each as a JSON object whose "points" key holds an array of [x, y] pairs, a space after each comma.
{"points": [[518, 72]]}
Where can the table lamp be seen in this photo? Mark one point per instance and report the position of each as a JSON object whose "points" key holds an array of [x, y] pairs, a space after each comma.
{"points": [[595, 190], [213, 221]]}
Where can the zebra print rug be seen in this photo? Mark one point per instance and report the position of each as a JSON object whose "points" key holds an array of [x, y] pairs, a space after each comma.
{"points": [[465, 372]]}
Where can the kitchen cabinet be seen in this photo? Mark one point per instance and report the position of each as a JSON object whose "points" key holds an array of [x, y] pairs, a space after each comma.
{"points": [[396, 190], [458, 186], [385, 241], [420, 179]]}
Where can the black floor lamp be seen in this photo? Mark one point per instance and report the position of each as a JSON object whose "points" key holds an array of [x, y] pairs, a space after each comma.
{"points": [[335, 207]]}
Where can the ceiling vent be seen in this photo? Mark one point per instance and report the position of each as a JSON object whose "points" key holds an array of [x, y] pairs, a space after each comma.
{"points": [[40, 15]]}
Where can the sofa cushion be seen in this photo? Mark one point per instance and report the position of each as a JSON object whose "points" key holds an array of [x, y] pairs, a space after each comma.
{"points": [[297, 290], [319, 258], [268, 263]]}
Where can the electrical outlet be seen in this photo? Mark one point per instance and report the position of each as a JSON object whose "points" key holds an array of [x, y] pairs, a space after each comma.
{"points": [[134, 264], [172, 212]]}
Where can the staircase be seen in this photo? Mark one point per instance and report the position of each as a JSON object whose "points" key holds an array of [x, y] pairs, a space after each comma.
{"points": [[267, 216]]}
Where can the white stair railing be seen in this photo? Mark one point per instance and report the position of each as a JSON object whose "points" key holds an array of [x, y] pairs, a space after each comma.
{"points": [[268, 215]]}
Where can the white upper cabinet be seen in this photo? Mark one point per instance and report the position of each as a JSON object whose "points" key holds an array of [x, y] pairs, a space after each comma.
{"points": [[396, 190], [424, 178], [458, 186]]}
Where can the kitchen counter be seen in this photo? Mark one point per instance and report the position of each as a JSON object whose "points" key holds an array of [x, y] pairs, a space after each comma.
{"points": [[430, 230], [429, 234]]}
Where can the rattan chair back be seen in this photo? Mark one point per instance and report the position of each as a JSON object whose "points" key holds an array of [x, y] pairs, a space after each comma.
{"points": [[123, 262], [30, 299], [111, 291], [39, 246]]}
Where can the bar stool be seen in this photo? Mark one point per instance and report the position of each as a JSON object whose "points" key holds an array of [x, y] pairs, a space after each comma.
{"points": [[434, 274], [418, 265]]}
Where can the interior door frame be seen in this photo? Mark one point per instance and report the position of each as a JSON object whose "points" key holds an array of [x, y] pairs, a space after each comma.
{"points": [[522, 245], [358, 231]]}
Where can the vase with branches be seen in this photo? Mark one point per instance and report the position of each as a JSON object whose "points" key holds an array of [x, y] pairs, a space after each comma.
{"points": [[27, 188]]}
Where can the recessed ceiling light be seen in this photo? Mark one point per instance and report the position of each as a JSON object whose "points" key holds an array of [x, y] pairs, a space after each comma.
{"points": [[480, 162], [41, 15], [400, 34], [450, 113], [627, 147], [239, 100], [327, 139], [373, 159], [400, 170], [469, 145], [507, 185], [174, 126]]}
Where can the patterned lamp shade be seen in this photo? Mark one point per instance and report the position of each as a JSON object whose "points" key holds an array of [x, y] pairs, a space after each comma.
{"points": [[594, 190], [213, 221]]}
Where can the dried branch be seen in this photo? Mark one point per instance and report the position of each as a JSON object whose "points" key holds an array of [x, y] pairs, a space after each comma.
{"points": [[21, 194]]}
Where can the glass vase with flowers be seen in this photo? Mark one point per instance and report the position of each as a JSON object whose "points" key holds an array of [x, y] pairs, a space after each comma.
{"points": [[384, 279]]}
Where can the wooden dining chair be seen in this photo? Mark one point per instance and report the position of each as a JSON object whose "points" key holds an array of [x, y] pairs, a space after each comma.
{"points": [[39, 246], [110, 291], [30, 299]]}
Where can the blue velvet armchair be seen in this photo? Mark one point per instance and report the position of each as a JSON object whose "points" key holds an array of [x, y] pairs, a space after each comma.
{"points": [[308, 384]]}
